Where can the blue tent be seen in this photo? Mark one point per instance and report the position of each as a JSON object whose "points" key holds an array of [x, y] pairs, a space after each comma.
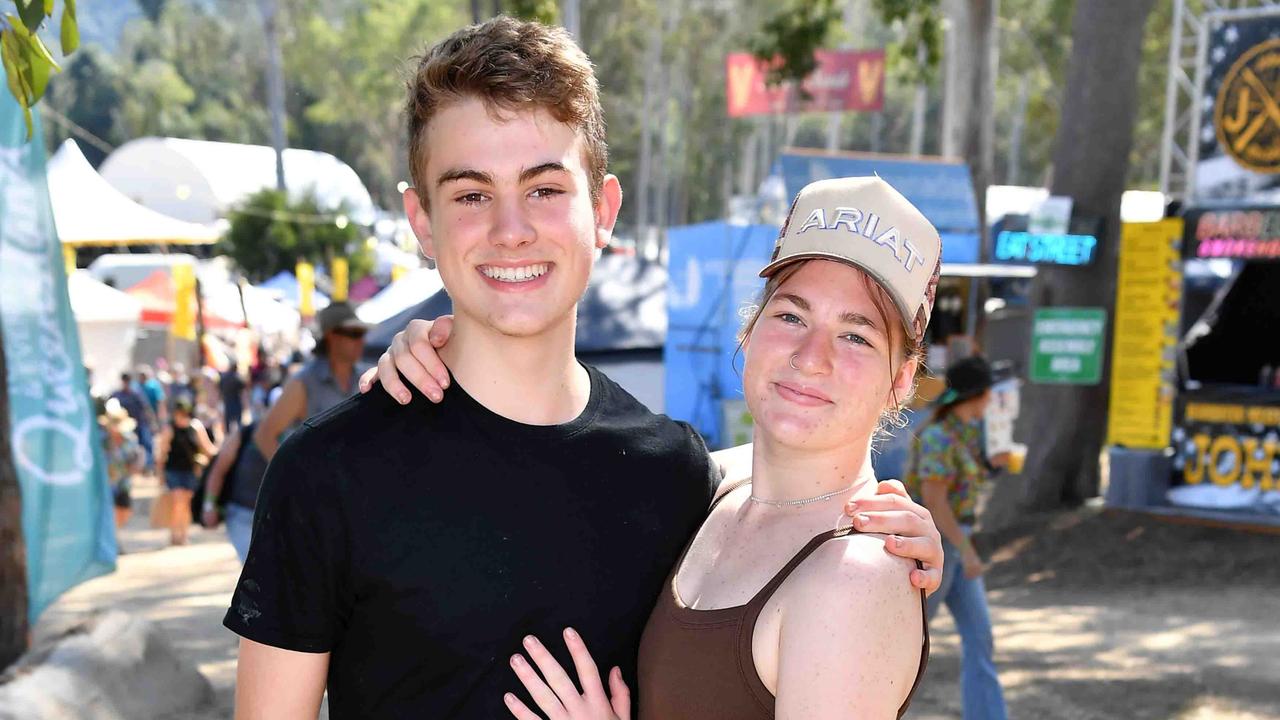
{"points": [[286, 285]]}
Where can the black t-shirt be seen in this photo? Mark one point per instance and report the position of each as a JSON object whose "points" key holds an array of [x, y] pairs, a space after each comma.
{"points": [[419, 544]]}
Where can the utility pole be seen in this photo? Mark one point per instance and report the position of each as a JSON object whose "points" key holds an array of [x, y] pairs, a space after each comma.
{"points": [[569, 13], [918, 109], [275, 86], [476, 12], [1013, 170]]}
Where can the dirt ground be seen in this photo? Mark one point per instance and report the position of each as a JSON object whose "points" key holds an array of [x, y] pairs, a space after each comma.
{"points": [[1119, 615], [1097, 616]]}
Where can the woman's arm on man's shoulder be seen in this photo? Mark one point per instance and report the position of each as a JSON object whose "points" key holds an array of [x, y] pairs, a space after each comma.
{"points": [[851, 634]]}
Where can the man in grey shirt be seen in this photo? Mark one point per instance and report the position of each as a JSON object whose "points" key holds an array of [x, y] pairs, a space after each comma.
{"points": [[326, 380]]}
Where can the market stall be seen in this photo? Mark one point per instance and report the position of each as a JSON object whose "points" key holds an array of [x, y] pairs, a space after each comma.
{"points": [[1226, 432], [1195, 410]]}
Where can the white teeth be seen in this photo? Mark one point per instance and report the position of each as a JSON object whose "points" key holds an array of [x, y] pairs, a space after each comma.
{"points": [[517, 274]]}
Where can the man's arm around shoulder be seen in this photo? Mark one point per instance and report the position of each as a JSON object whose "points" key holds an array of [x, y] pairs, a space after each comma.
{"points": [[852, 635], [273, 683]]}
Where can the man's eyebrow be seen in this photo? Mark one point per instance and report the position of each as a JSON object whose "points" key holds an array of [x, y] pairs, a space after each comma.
{"points": [[453, 174], [529, 173]]}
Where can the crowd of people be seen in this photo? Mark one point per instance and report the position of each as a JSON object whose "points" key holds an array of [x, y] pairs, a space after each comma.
{"points": [[208, 435]]}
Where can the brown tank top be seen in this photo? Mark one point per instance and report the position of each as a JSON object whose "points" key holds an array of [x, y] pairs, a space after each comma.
{"points": [[697, 664]]}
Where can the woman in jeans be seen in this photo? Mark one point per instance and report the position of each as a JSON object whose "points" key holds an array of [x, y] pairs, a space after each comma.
{"points": [[948, 466]]}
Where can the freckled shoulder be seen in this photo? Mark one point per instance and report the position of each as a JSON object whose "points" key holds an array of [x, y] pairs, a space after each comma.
{"points": [[857, 563]]}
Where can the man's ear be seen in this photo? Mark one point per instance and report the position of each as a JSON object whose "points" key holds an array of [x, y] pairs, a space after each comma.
{"points": [[607, 210], [420, 221]]}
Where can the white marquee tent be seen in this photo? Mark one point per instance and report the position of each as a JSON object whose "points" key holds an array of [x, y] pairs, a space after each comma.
{"points": [[200, 180], [108, 323], [412, 289], [89, 211]]}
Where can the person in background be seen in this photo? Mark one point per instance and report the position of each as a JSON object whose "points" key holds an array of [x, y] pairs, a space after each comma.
{"points": [[136, 406], [326, 380], [179, 385], [241, 464], [123, 454], [153, 391], [232, 387], [947, 468], [181, 449], [207, 406]]}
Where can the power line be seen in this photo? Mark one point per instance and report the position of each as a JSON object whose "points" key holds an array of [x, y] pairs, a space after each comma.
{"points": [[76, 130]]}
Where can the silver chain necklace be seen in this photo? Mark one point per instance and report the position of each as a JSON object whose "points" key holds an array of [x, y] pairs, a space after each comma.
{"points": [[802, 501]]}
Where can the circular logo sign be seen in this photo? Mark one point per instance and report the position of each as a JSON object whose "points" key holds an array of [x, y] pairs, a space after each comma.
{"points": [[1246, 114]]}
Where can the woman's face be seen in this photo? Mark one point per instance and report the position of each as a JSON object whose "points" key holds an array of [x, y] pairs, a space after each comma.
{"points": [[822, 320]]}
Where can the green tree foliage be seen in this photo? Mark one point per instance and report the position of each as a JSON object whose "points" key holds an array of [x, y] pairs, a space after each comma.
{"points": [[28, 63], [544, 11], [88, 90], [790, 36], [351, 104], [270, 233]]}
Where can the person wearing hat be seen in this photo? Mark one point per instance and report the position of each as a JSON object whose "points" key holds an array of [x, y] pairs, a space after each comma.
{"points": [[124, 456], [770, 612], [324, 381], [947, 468]]}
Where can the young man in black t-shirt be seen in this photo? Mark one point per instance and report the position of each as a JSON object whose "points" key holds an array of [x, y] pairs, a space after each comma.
{"points": [[400, 554]]}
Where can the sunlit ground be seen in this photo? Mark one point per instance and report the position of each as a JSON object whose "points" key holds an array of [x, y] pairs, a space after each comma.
{"points": [[1188, 653]]}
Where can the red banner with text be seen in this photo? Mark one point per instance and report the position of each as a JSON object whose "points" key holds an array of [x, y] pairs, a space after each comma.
{"points": [[844, 80]]}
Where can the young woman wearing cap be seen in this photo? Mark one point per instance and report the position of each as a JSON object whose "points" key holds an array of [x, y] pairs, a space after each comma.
{"points": [[947, 467]]}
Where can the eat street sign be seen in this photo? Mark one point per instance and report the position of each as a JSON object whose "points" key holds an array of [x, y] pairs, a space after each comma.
{"points": [[1066, 345]]}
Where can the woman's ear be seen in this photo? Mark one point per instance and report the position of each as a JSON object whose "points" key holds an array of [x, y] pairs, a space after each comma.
{"points": [[903, 383]]}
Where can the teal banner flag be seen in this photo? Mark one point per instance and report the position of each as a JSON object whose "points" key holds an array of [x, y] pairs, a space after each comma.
{"points": [[57, 449]]}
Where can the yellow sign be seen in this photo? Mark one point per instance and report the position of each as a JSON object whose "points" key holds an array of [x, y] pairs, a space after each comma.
{"points": [[338, 269], [69, 258], [184, 301], [306, 274], [1229, 459], [1148, 292], [1246, 115]]}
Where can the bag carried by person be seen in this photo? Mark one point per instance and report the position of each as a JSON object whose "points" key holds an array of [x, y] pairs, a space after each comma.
{"points": [[162, 510]]}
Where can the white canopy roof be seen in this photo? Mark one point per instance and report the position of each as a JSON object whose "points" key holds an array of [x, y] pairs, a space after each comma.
{"points": [[89, 211], [412, 289], [199, 180], [92, 301], [266, 315]]}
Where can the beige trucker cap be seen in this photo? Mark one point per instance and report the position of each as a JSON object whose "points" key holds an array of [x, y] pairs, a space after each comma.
{"points": [[864, 222]]}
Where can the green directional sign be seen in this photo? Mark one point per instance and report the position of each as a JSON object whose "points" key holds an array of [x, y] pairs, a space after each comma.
{"points": [[1066, 345]]}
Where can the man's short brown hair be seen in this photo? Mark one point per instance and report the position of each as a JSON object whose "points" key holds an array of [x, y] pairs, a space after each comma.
{"points": [[510, 65]]}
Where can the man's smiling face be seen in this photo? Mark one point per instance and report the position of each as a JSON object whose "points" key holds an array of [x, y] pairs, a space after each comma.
{"points": [[510, 219]]}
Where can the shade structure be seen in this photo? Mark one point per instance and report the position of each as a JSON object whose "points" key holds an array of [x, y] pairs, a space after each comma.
{"points": [[157, 298], [283, 286], [410, 290], [108, 323], [87, 210], [265, 314], [201, 181]]}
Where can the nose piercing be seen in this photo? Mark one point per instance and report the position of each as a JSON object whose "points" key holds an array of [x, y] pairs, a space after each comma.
{"points": [[792, 361]]}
